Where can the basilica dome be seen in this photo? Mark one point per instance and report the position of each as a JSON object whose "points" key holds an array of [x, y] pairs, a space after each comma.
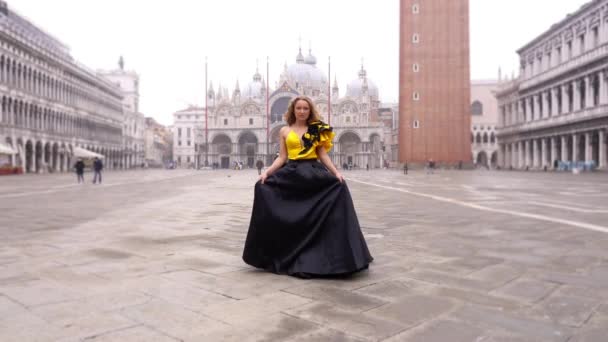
{"points": [[305, 73], [255, 88], [356, 86]]}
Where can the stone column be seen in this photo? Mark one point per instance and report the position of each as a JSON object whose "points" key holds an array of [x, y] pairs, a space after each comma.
{"points": [[564, 149], [602, 151], [546, 112], [588, 147], [588, 92], [527, 154], [535, 153], [553, 150], [565, 99], [577, 96], [574, 148], [543, 154], [553, 93], [603, 85], [522, 161], [536, 103]]}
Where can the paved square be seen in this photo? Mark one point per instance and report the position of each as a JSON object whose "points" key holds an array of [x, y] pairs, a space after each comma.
{"points": [[156, 256]]}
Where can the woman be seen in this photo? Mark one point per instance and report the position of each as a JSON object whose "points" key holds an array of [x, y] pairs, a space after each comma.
{"points": [[303, 221]]}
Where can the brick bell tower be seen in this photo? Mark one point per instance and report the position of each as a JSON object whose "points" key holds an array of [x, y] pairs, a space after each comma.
{"points": [[434, 82]]}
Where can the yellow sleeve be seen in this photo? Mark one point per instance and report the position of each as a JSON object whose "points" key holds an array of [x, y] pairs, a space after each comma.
{"points": [[325, 139]]}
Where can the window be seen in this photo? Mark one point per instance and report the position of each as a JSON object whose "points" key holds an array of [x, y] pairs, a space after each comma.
{"points": [[415, 38], [416, 67], [581, 42], [250, 121], [188, 132], [596, 36], [569, 49], [225, 122], [416, 96], [179, 132], [416, 124], [188, 159], [179, 159], [559, 55], [476, 108], [188, 142], [415, 8], [179, 143]]}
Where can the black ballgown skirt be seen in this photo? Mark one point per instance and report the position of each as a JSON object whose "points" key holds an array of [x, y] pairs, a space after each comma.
{"points": [[304, 224]]}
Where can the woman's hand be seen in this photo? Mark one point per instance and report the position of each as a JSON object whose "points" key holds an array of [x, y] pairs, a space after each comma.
{"points": [[339, 176], [263, 177]]}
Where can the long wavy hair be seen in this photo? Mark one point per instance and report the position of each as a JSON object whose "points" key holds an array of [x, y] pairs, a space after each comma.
{"points": [[290, 115]]}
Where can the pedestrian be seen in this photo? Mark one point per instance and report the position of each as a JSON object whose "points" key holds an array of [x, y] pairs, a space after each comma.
{"points": [[303, 221], [79, 167], [367, 167], [259, 165], [97, 167], [405, 168]]}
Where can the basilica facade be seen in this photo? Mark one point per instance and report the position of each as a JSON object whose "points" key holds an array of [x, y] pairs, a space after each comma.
{"points": [[243, 125]]}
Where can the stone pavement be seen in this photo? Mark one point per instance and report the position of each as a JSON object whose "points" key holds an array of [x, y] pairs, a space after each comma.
{"points": [[156, 256]]}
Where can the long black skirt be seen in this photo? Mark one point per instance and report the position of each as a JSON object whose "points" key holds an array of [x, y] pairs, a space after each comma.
{"points": [[304, 224]]}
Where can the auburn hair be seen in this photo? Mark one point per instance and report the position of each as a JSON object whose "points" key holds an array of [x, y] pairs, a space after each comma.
{"points": [[290, 115]]}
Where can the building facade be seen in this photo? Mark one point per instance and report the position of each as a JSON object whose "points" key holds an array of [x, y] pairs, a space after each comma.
{"points": [[557, 109], [484, 123], [50, 103], [434, 92], [244, 126], [134, 124], [158, 144]]}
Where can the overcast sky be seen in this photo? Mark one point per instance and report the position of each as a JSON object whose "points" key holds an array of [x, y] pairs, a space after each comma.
{"points": [[166, 42]]}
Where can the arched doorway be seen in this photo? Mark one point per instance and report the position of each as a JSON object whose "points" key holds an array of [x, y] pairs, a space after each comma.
{"points": [[248, 148], [221, 148], [376, 151], [494, 159], [482, 159], [279, 108], [350, 144]]}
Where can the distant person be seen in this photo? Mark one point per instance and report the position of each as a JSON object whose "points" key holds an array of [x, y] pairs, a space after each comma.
{"points": [[97, 167], [367, 167], [79, 167], [259, 165]]}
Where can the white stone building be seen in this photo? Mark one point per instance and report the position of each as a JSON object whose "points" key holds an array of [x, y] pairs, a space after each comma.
{"points": [[51, 106], [239, 129], [134, 125], [557, 109], [158, 145], [484, 122]]}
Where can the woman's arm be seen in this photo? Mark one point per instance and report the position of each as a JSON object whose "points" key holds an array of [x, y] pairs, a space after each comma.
{"points": [[281, 159], [324, 158]]}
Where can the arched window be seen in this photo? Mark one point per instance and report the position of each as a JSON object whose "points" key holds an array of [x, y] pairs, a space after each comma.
{"points": [[492, 138], [478, 138], [476, 108], [485, 138]]}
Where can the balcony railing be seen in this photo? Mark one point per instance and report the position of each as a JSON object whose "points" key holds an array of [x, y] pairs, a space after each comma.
{"points": [[588, 57], [555, 121]]}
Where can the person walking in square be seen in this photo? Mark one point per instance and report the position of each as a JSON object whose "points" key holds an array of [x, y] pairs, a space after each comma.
{"points": [[79, 167], [303, 221], [97, 167], [259, 165]]}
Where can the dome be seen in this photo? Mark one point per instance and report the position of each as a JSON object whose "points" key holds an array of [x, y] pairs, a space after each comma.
{"points": [[310, 59], [355, 87], [306, 75], [254, 89]]}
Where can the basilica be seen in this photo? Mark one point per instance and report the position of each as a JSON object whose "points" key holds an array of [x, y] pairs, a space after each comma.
{"points": [[243, 125]]}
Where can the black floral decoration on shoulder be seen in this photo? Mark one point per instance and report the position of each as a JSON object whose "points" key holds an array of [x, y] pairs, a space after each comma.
{"points": [[313, 135]]}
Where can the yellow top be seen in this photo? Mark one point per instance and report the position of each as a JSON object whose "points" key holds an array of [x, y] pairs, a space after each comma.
{"points": [[295, 145]]}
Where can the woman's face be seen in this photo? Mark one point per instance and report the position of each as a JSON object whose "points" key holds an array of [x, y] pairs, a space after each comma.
{"points": [[302, 110]]}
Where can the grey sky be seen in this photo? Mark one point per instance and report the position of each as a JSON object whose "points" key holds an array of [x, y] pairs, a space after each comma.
{"points": [[166, 42]]}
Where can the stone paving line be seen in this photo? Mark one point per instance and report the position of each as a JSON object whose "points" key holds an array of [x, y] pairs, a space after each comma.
{"points": [[156, 256]]}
